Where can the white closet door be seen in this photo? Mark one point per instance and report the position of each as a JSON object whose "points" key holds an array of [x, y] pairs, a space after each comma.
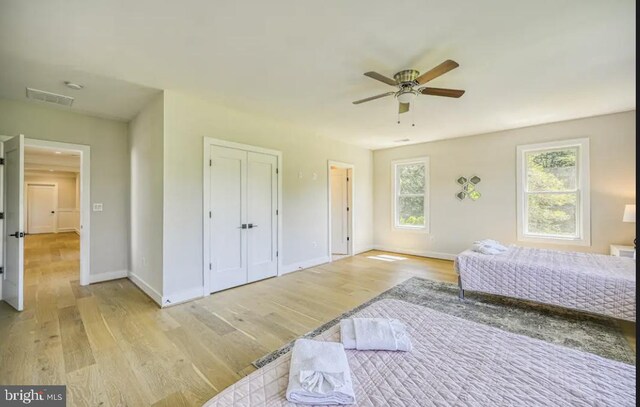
{"points": [[339, 211], [41, 208], [228, 240], [262, 202]]}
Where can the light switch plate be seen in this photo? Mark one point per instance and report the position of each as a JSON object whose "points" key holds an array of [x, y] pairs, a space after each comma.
{"points": [[97, 207]]}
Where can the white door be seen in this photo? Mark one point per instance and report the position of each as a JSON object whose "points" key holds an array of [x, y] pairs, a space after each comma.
{"points": [[228, 218], [41, 208], [13, 181], [262, 227], [339, 211]]}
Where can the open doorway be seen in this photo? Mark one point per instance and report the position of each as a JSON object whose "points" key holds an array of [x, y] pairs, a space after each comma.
{"points": [[46, 192], [52, 207], [340, 180]]}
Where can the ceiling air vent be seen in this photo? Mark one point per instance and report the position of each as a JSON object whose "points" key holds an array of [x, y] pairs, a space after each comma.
{"points": [[49, 97]]}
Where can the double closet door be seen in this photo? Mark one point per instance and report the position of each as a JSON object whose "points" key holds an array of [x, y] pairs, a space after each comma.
{"points": [[243, 223]]}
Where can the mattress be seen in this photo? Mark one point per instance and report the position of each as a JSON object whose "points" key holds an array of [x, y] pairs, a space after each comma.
{"points": [[595, 283], [455, 362]]}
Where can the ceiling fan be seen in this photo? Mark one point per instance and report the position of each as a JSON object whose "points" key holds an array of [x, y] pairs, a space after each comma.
{"points": [[408, 80]]}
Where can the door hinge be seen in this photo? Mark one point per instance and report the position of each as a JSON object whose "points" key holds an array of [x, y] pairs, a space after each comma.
{"points": [[347, 179], [277, 171], [276, 213], [2, 161], [209, 214], [276, 253], [1, 269], [210, 163], [209, 266], [347, 209], [1, 215]]}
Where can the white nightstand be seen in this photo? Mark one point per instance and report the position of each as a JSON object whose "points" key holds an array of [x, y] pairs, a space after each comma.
{"points": [[622, 251]]}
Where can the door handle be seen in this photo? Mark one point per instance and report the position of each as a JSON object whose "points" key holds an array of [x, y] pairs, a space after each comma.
{"points": [[17, 235], [244, 226], [251, 226], [53, 211]]}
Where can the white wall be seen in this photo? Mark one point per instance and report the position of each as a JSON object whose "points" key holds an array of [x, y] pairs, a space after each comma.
{"points": [[109, 170], [68, 212], [456, 224], [304, 208], [146, 143]]}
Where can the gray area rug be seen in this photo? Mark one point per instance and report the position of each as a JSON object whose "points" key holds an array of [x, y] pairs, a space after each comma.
{"points": [[573, 329]]}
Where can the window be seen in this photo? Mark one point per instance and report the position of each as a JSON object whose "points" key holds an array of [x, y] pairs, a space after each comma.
{"points": [[410, 203], [553, 192]]}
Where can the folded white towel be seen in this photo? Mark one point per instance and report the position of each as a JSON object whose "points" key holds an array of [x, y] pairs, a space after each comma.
{"points": [[319, 374], [488, 246], [485, 249], [492, 243], [374, 334]]}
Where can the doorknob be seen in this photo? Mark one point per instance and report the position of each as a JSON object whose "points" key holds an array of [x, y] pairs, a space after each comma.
{"points": [[244, 226], [251, 226], [17, 235], [53, 211]]}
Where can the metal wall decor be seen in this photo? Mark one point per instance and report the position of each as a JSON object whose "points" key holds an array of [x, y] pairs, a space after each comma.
{"points": [[469, 188]]}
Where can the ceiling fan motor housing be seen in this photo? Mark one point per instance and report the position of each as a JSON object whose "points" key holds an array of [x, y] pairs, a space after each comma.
{"points": [[406, 76]]}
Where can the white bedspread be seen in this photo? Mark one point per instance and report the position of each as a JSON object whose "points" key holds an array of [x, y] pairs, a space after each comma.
{"points": [[455, 362], [589, 282]]}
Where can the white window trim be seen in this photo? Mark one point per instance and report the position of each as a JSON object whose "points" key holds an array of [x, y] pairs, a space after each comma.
{"points": [[584, 205], [427, 195]]}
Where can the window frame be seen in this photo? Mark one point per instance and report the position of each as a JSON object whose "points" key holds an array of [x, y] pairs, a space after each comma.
{"points": [[395, 194], [582, 191]]}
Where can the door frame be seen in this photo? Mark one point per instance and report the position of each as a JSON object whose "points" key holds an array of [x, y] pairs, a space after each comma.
{"points": [[206, 202], [85, 198], [27, 184], [350, 192]]}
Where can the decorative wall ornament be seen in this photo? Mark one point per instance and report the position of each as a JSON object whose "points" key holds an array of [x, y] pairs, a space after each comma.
{"points": [[469, 189]]}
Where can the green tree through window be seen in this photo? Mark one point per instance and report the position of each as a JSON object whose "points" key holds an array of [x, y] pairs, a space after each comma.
{"points": [[551, 192], [410, 194]]}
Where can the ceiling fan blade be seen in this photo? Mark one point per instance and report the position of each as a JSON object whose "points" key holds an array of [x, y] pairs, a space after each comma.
{"points": [[450, 93], [381, 78], [357, 102], [403, 108], [441, 69]]}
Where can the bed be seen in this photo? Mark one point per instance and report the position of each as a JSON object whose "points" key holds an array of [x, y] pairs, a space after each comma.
{"points": [[594, 283], [455, 362]]}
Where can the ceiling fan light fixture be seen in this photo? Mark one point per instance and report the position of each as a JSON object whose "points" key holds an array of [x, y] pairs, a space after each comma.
{"points": [[406, 95]]}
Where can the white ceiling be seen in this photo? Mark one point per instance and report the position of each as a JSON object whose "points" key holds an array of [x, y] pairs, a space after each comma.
{"points": [[44, 159], [521, 62]]}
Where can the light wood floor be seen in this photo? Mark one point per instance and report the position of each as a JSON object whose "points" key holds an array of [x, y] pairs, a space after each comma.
{"points": [[112, 346]]}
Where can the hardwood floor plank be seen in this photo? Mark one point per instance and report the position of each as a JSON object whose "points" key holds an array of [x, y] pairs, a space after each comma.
{"points": [[75, 343]]}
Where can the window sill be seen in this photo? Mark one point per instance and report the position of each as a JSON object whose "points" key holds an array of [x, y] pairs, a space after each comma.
{"points": [[555, 240], [422, 230]]}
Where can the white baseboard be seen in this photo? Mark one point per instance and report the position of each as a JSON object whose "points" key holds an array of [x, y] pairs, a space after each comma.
{"points": [[0, 288], [106, 276], [182, 296], [364, 250], [421, 253], [147, 289], [304, 264], [64, 230]]}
